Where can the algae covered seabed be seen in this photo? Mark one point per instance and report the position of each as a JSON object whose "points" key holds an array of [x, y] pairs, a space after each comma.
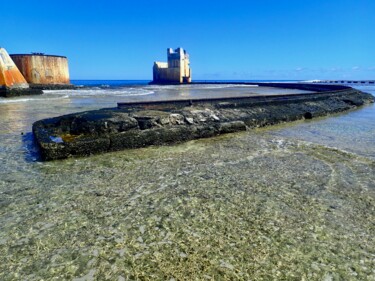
{"points": [[290, 202]]}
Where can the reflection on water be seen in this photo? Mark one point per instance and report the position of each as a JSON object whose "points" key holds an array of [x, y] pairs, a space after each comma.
{"points": [[288, 202]]}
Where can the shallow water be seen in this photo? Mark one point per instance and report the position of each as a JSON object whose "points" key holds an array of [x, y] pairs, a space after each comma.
{"points": [[168, 92], [295, 202], [353, 132]]}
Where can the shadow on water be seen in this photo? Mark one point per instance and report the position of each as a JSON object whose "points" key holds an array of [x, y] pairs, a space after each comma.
{"points": [[32, 150]]}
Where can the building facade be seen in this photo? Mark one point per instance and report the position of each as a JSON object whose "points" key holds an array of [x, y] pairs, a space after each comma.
{"points": [[38, 68], [175, 71]]}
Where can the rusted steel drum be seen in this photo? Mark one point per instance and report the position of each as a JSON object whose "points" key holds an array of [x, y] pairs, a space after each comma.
{"points": [[38, 68]]}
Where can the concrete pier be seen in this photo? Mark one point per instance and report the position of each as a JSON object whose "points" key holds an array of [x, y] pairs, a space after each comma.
{"points": [[346, 82], [139, 124]]}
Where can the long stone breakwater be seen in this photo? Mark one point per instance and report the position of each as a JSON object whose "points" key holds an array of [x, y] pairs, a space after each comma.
{"points": [[140, 124]]}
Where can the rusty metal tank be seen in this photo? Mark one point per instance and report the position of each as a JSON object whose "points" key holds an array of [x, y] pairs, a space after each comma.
{"points": [[41, 69]]}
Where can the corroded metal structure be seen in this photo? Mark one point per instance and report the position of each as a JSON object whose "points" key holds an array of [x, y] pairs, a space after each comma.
{"points": [[41, 69]]}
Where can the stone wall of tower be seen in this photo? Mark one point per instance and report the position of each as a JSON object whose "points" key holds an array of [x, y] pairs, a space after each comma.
{"points": [[42, 69], [175, 71]]}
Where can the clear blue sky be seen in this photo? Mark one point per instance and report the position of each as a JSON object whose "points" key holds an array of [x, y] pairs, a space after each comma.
{"points": [[264, 39]]}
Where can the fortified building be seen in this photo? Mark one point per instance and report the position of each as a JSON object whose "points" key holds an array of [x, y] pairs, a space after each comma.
{"points": [[175, 71], [42, 69]]}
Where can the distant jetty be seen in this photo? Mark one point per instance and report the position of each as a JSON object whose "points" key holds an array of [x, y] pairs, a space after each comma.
{"points": [[344, 82], [140, 124]]}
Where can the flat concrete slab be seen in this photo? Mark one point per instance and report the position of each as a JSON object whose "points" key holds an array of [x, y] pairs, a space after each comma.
{"points": [[164, 122], [209, 91]]}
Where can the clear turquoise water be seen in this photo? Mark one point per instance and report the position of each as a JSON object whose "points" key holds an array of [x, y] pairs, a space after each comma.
{"points": [[353, 132], [289, 202]]}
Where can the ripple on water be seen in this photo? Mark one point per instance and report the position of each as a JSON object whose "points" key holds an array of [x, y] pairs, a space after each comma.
{"points": [[292, 202], [243, 206]]}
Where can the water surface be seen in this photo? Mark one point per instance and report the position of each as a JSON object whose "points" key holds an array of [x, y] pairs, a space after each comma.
{"points": [[290, 202]]}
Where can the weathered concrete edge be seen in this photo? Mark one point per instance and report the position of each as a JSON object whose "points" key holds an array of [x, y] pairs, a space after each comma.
{"points": [[53, 86], [15, 92], [34, 89], [218, 120]]}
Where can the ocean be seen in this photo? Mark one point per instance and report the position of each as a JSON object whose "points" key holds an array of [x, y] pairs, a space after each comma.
{"points": [[294, 201]]}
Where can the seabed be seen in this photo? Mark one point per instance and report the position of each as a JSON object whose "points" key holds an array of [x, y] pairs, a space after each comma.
{"points": [[245, 206], [201, 210]]}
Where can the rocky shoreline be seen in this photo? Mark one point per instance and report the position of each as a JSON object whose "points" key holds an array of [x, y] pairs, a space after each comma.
{"points": [[34, 89], [16, 92], [135, 125]]}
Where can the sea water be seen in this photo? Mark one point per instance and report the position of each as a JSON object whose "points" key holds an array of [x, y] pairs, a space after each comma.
{"points": [[289, 202]]}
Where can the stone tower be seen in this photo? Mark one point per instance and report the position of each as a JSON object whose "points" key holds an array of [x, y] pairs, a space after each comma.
{"points": [[175, 71]]}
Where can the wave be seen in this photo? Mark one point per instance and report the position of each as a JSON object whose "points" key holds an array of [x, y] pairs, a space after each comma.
{"points": [[311, 81], [17, 100], [95, 91], [198, 86]]}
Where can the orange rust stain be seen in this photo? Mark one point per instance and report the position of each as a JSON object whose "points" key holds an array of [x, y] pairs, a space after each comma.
{"points": [[43, 69], [11, 77]]}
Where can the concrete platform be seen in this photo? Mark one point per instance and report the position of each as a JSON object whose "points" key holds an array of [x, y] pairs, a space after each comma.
{"points": [[187, 95], [139, 124]]}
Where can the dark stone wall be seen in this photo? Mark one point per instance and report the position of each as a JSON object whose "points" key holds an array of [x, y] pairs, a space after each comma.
{"points": [[135, 125], [14, 92]]}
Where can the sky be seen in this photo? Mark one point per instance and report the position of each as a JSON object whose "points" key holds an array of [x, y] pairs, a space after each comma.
{"points": [[226, 40]]}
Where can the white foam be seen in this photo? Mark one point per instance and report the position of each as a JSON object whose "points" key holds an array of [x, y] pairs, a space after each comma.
{"points": [[19, 100], [224, 86], [102, 92], [311, 81], [197, 87]]}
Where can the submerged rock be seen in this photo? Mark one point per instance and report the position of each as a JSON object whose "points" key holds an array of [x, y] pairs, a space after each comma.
{"points": [[134, 125]]}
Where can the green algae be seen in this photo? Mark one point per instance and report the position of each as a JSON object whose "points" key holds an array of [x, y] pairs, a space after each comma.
{"points": [[239, 207], [69, 137]]}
